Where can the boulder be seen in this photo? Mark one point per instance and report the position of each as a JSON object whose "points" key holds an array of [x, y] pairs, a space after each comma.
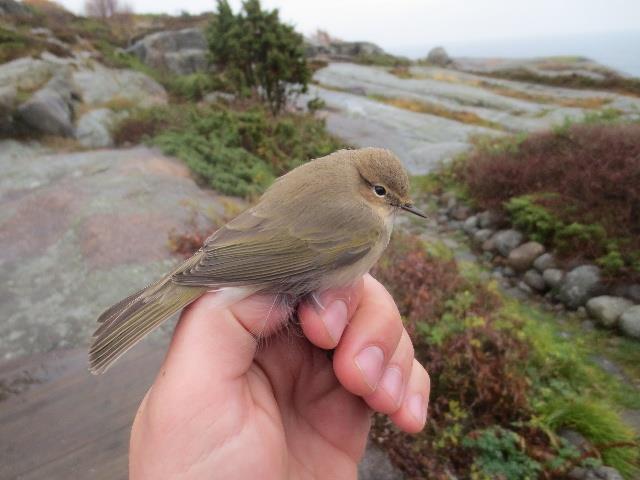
{"points": [[601, 472], [579, 285], [438, 56], [100, 85], [27, 73], [460, 212], [630, 322], [470, 225], [521, 258], [507, 240], [630, 291], [482, 235], [179, 51], [553, 277], [8, 97], [607, 309], [11, 7], [50, 109], [490, 219], [534, 279], [94, 128], [544, 262]]}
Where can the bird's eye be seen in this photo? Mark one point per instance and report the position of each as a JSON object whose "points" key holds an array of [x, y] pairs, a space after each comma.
{"points": [[379, 190]]}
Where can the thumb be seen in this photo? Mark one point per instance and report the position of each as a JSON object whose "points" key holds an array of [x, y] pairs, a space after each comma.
{"points": [[212, 343]]}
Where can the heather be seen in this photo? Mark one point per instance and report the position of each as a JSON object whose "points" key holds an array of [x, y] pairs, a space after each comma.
{"points": [[574, 189]]}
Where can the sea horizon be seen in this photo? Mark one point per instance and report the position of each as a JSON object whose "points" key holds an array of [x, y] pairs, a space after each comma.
{"points": [[619, 50]]}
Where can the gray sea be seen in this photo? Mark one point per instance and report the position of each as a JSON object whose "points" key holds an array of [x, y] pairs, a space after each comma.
{"points": [[618, 50]]}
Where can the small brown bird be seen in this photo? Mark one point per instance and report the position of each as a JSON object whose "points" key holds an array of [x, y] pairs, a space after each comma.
{"points": [[320, 226]]}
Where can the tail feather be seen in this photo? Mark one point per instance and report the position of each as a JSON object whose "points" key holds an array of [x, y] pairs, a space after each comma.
{"points": [[127, 322]]}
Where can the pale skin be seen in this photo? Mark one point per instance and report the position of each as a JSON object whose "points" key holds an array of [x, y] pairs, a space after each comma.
{"points": [[223, 408]]}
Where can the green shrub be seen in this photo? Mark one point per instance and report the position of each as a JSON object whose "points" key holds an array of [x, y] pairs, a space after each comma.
{"points": [[500, 455], [234, 152], [260, 55], [532, 218], [194, 86]]}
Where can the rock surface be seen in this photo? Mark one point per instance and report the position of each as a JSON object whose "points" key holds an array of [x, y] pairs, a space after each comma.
{"points": [[553, 277], [630, 322], [607, 309], [94, 128], [179, 51], [506, 240], [99, 85], [438, 56], [376, 465], [544, 261], [534, 279], [579, 285], [50, 109], [81, 231], [521, 258]]}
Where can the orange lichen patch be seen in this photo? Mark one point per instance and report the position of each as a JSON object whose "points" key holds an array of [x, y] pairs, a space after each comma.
{"points": [[585, 102], [438, 110]]}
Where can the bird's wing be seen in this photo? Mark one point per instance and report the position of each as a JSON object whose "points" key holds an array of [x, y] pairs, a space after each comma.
{"points": [[253, 250]]}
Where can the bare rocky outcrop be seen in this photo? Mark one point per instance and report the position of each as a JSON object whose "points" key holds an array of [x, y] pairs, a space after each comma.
{"points": [[178, 51], [50, 110], [80, 231], [438, 56]]}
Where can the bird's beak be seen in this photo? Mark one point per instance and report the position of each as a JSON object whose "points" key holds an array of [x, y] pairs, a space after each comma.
{"points": [[410, 208]]}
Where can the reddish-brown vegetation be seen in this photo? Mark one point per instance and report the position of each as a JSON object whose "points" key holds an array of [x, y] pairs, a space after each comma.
{"points": [[589, 174]]}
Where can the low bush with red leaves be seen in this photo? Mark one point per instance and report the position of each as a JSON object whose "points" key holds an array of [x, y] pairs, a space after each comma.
{"points": [[586, 177]]}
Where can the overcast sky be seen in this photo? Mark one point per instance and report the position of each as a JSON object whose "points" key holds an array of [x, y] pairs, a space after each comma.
{"points": [[401, 23]]}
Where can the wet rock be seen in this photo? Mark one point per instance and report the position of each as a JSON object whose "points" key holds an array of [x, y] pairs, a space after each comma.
{"points": [[534, 279], [579, 285], [93, 129], [508, 272], [470, 225], [606, 310], [630, 322], [179, 51], [544, 261], [553, 277], [507, 240], [50, 109], [438, 56], [521, 258]]}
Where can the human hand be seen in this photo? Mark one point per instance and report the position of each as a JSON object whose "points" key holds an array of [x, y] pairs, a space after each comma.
{"points": [[221, 407]]}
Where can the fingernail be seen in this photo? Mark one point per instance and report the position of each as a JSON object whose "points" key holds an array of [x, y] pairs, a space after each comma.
{"points": [[417, 407], [391, 383], [370, 361], [335, 319]]}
